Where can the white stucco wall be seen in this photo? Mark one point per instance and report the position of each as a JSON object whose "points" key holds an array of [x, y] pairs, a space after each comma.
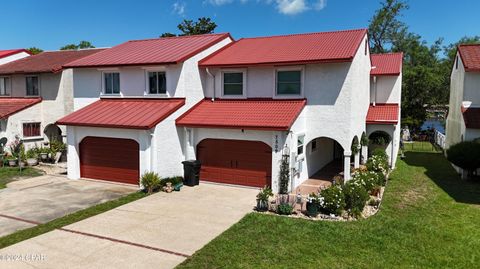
{"points": [[55, 91], [388, 89], [13, 57]]}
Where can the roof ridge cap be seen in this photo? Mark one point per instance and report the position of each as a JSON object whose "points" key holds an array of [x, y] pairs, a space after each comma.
{"points": [[304, 34], [178, 37]]}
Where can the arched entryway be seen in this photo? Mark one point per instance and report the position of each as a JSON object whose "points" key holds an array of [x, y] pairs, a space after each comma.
{"points": [[378, 139], [325, 159], [53, 133], [238, 162]]}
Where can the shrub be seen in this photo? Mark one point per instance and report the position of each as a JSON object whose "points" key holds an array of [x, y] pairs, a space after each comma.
{"points": [[355, 197], [150, 181], [264, 194], [284, 209], [284, 176], [332, 200], [380, 152], [370, 180], [465, 155], [378, 163]]}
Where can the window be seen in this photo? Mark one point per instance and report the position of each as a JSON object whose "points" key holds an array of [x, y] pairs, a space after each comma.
{"points": [[112, 83], [300, 139], [157, 83], [31, 129], [456, 62], [32, 85], [233, 83], [289, 82], [4, 85]]}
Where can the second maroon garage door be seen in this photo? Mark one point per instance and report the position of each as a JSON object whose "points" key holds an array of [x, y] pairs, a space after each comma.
{"points": [[237, 162], [111, 159]]}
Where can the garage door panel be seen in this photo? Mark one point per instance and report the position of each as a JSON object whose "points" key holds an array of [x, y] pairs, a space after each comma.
{"points": [[111, 159], [235, 162]]}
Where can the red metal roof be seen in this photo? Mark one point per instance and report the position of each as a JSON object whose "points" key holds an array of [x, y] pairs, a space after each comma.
{"points": [[135, 113], [6, 53], [388, 64], [470, 55], [471, 117], [337, 46], [167, 50], [254, 114], [9, 106], [45, 62], [383, 114]]}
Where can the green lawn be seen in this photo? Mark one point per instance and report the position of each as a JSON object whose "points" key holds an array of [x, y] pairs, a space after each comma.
{"points": [[429, 218], [7, 174], [68, 219]]}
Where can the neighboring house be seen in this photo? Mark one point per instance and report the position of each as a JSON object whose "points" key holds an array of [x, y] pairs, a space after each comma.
{"points": [[7, 56], [35, 92], [127, 99], [238, 107], [383, 118], [463, 120]]}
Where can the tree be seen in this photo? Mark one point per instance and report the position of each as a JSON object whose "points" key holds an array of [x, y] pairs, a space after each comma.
{"points": [[201, 26], [188, 27], [385, 27], [167, 34], [35, 50], [465, 155], [81, 45]]}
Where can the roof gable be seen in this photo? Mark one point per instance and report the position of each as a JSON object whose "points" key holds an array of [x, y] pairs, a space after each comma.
{"points": [[166, 50], [470, 55], [388, 64], [6, 53], [289, 49], [45, 62]]}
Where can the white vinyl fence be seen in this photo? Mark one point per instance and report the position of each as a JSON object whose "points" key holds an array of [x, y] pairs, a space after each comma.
{"points": [[439, 139]]}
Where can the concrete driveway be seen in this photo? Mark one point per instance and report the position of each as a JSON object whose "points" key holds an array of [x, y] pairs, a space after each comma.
{"points": [[159, 231], [41, 199]]}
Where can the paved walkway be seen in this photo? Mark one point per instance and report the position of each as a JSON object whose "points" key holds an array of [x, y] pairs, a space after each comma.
{"points": [[322, 179], [44, 198], [159, 231]]}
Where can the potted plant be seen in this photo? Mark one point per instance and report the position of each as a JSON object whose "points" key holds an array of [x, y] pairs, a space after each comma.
{"points": [[12, 160], [32, 157], [312, 205], [44, 154], [262, 198]]}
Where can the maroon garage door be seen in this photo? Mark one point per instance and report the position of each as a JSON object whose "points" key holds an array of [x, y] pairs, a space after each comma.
{"points": [[111, 159], [237, 162]]}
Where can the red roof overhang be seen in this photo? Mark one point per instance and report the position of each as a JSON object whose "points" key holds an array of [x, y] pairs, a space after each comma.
{"points": [[124, 113], [383, 114], [10, 106], [6, 53], [471, 117], [470, 55], [250, 114], [388, 64]]}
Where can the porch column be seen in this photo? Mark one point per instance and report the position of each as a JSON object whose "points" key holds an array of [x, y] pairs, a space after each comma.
{"points": [[356, 162], [364, 154], [346, 165]]}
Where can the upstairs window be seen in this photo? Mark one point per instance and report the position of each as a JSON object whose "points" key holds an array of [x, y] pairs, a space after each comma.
{"points": [[233, 83], [300, 141], [32, 85], [157, 83], [111, 83], [31, 129], [289, 82], [4, 85]]}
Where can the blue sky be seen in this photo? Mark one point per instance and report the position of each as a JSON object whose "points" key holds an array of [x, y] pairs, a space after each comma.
{"points": [[50, 24]]}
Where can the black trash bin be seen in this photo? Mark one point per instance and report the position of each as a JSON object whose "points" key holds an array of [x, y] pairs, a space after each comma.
{"points": [[191, 172]]}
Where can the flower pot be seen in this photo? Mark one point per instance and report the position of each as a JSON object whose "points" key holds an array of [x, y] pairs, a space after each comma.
{"points": [[12, 163], [44, 156], [32, 161], [312, 209], [262, 205]]}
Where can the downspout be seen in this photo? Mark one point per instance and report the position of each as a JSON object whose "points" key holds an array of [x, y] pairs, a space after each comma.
{"points": [[208, 72], [375, 90]]}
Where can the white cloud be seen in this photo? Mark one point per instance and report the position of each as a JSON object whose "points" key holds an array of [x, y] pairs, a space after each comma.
{"points": [[286, 7], [179, 8], [291, 7]]}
